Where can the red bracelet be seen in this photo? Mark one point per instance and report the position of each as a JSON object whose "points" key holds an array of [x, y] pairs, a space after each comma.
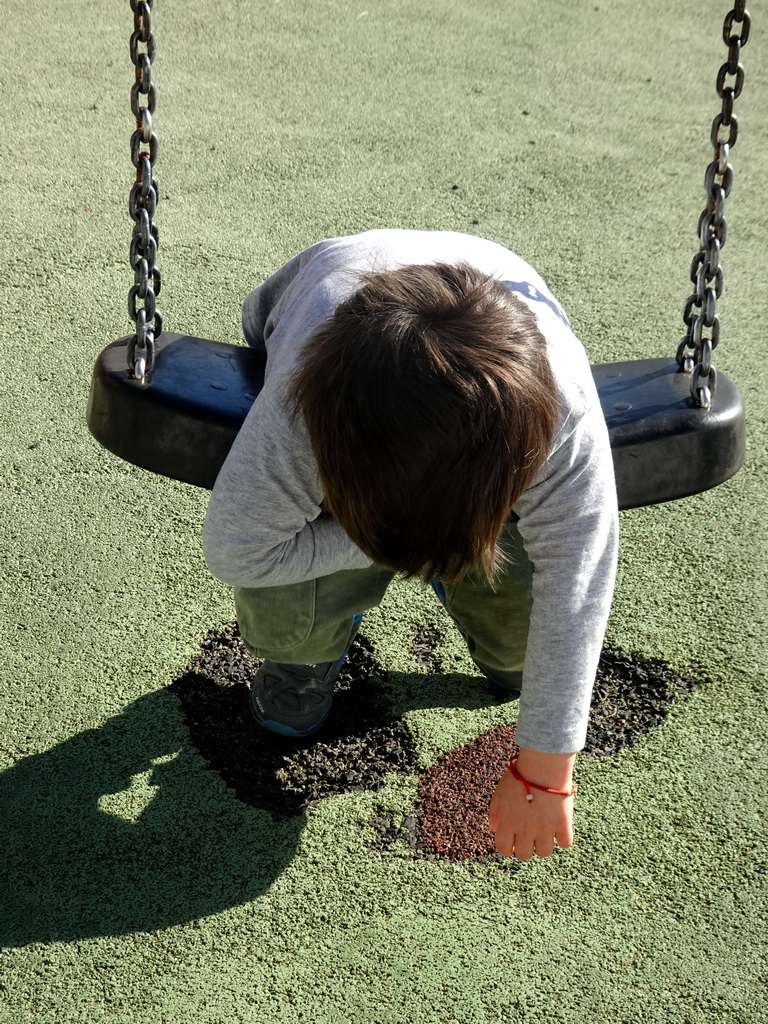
{"points": [[512, 766]]}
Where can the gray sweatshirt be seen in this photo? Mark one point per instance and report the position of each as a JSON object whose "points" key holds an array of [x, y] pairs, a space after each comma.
{"points": [[263, 527]]}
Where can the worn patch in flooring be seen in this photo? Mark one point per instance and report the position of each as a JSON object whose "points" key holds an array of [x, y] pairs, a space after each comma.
{"points": [[362, 741]]}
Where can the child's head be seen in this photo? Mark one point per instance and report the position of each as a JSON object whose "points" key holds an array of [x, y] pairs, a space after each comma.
{"points": [[430, 405]]}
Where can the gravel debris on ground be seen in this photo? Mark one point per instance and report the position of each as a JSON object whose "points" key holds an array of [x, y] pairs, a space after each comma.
{"points": [[424, 641], [452, 817], [363, 741], [359, 745]]}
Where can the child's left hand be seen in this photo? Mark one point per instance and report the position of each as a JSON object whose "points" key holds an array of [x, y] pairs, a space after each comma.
{"points": [[527, 827]]}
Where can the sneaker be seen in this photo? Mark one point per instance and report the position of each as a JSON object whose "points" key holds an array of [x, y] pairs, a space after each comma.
{"points": [[294, 700], [510, 683]]}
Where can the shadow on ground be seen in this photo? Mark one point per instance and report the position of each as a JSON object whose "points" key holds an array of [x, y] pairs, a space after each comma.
{"points": [[366, 737], [117, 830]]}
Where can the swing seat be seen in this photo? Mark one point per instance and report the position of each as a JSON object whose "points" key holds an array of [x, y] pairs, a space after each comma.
{"points": [[181, 423], [663, 446]]}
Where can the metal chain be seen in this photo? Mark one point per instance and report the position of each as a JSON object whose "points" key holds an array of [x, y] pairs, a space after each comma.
{"points": [[706, 270], [142, 202]]}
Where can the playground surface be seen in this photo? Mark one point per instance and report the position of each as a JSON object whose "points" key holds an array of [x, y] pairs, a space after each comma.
{"points": [[137, 884]]}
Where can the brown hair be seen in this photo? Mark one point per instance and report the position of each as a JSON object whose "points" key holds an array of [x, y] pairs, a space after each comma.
{"points": [[430, 406]]}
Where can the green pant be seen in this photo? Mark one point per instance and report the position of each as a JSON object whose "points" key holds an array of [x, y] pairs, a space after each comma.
{"points": [[310, 622]]}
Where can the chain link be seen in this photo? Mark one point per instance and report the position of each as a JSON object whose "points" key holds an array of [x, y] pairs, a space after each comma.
{"points": [[699, 314], [143, 199]]}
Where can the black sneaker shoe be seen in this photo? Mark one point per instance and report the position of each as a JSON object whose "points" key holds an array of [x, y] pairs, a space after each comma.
{"points": [[294, 700]]}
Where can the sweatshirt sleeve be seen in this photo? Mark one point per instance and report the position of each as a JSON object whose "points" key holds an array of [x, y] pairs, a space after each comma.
{"points": [[569, 526], [263, 526], [262, 305]]}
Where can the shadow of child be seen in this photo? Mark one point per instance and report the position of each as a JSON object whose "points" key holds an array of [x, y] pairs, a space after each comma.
{"points": [[118, 830]]}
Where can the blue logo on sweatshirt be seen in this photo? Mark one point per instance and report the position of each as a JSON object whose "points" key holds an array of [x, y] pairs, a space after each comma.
{"points": [[527, 290]]}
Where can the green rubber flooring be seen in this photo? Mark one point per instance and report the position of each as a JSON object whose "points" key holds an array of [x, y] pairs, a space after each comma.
{"points": [[140, 889]]}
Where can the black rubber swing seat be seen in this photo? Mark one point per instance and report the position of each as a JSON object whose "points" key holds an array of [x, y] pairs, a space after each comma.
{"points": [[182, 421]]}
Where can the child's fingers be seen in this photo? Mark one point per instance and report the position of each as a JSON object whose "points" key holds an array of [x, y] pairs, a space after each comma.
{"points": [[564, 836], [505, 844], [545, 847], [493, 814], [523, 849]]}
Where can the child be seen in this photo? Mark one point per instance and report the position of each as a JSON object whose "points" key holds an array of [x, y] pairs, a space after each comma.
{"points": [[426, 411]]}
